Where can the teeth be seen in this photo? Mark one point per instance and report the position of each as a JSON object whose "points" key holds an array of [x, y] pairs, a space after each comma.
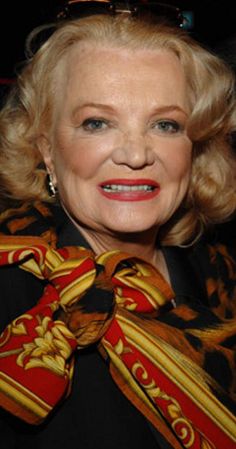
{"points": [[124, 188]]}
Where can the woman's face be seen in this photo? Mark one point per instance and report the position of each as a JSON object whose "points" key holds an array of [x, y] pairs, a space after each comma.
{"points": [[120, 154]]}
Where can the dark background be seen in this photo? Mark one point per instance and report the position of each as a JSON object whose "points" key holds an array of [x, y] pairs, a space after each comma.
{"points": [[214, 25]]}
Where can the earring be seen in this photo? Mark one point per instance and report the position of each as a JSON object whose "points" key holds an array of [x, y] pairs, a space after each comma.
{"points": [[51, 187]]}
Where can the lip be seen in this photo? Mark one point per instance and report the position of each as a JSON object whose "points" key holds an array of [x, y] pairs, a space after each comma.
{"points": [[151, 189]]}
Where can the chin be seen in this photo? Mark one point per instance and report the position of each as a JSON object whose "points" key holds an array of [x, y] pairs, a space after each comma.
{"points": [[131, 229]]}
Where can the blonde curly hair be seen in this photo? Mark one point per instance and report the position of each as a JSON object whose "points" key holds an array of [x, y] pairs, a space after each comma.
{"points": [[211, 197]]}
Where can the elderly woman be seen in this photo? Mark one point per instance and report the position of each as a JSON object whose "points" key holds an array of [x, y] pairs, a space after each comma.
{"points": [[117, 332]]}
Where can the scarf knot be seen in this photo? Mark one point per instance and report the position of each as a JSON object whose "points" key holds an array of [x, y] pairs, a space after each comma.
{"points": [[88, 289]]}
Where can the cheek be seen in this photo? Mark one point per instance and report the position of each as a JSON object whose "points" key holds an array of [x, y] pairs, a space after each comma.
{"points": [[81, 157], [178, 166], [183, 169], [74, 161]]}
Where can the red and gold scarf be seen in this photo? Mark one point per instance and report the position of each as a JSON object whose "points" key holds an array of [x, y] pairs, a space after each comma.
{"points": [[112, 300]]}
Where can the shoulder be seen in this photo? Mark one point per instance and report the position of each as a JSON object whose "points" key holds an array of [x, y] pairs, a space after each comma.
{"points": [[20, 290], [32, 219], [215, 262]]}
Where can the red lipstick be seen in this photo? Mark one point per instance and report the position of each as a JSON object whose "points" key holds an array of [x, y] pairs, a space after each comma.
{"points": [[129, 189]]}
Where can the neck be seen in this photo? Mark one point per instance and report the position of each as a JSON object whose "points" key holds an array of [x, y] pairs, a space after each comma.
{"points": [[138, 244]]}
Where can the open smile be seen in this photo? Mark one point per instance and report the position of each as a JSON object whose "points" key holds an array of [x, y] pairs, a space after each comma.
{"points": [[129, 189]]}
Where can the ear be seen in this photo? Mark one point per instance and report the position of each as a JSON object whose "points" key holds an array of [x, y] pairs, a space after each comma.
{"points": [[45, 148]]}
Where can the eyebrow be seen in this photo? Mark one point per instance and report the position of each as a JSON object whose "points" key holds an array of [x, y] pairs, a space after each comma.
{"points": [[170, 108], [92, 105], [158, 110]]}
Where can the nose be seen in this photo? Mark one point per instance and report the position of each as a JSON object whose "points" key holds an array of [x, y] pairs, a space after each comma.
{"points": [[134, 151]]}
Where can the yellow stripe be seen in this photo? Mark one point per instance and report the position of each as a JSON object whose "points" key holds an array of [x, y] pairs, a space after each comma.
{"points": [[103, 258], [153, 294], [73, 290], [143, 269], [159, 350], [10, 246], [30, 265], [66, 267], [23, 396], [53, 259], [33, 268]]}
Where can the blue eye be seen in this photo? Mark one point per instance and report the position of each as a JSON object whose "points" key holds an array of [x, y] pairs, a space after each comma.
{"points": [[167, 126], [94, 124]]}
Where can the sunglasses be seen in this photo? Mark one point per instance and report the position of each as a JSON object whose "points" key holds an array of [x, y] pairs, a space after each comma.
{"points": [[140, 9], [74, 9]]}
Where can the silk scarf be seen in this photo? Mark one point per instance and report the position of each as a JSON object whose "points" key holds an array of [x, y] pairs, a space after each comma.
{"points": [[112, 300]]}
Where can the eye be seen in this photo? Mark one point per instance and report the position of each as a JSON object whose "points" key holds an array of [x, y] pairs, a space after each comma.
{"points": [[94, 124], [167, 126]]}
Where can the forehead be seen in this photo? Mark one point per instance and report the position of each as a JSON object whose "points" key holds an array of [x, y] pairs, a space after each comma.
{"points": [[94, 70], [91, 55]]}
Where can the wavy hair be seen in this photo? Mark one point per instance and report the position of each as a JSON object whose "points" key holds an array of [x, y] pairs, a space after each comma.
{"points": [[211, 196]]}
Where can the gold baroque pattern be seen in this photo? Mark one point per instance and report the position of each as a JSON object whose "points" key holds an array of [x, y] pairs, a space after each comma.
{"points": [[180, 424], [49, 349]]}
